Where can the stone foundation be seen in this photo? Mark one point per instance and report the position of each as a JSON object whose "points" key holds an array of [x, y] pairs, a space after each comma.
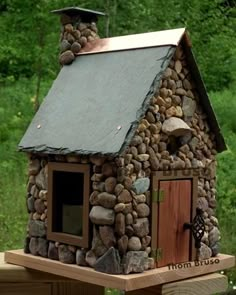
{"points": [[173, 135]]}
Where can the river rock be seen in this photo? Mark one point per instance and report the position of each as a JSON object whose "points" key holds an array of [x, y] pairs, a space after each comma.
{"points": [[141, 227], [189, 107], [141, 185], [39, 206], [65, 255], [134, 244], [124, 197], [66, 57], [33, 246], [30, 204], [90, 258], [102, 216], [119, 207], [98, 246], [37, 228], [41, 180], [53, 251], [109, 262], [129, 219], [215, 249], [42, 247], [143, 210], [204, 252], [175, 126], [135, 261], [107, 200], [107, 235], [214, 236], [80, 257], [110, 184], [34, 166], [202, 203], [123, 244], [153, 159], [120, 224]]}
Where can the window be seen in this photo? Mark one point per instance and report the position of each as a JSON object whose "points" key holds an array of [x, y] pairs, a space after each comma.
{"points": [[68, 203]]}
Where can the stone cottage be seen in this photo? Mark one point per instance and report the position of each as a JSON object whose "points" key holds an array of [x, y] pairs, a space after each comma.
{"points": [[121, 153]]}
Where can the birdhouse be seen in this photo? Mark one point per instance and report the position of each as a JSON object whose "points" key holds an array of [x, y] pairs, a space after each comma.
{"points": [[122, 154]]}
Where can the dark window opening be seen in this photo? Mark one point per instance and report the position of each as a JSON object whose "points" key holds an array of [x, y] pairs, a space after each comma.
{"points": [[174, 144], [68, 203], [68, 198]]}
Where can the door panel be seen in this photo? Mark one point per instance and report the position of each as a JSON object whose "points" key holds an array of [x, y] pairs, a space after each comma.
{"points": [[173, 212]]}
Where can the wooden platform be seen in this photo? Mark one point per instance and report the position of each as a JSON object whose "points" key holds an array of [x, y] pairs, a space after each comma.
{"points": [[129, 282]]}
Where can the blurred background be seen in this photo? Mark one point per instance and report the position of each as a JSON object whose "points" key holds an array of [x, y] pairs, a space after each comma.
{"points": [[29, 38]]}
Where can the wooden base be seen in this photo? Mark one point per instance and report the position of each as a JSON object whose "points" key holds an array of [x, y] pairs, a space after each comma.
{"points": [[123, 282]]}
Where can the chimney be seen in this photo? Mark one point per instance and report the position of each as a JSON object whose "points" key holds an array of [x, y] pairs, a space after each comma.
{"points": [[78, 26]]}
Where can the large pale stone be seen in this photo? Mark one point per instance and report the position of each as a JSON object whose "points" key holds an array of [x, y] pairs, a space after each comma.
{"points": [[175, 126], [102, 216], [141, 185], [204, 252]]}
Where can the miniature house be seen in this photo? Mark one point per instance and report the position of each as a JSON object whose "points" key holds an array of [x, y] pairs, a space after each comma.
{"points": [[122, 152]]}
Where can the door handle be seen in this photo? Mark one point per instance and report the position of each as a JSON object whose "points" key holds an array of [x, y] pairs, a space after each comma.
{"points": [[197, 227]]}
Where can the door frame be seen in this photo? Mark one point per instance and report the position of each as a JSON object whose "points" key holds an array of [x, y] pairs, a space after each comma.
{"points": [[157, 176]]}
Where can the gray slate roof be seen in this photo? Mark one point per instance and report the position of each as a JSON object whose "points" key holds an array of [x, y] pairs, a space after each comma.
{"points": [[95, 104]]}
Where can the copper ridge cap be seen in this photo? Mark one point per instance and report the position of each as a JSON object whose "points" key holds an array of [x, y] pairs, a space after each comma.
{"points": [[144, 40]]}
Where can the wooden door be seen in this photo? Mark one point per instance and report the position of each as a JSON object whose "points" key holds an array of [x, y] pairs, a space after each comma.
{"points": [[173, 210]]}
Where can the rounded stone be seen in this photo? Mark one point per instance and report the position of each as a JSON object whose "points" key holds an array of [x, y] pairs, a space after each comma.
{"points": [[143, 210], [66, 57], [80, 257], [204, 252], [110, 184], [124, 196], [65, 255], [127, 183], [129, 219], [83, 41], [107, 200], [136, 140], [141, 227], [123, 244], [102, 216], [65, 45], [140, 198], [120, 224], [141, 185], [108, 169], [53, 251], [34, 166], [107, 236], [42, 247], [93, 199], [214, 236], [75, 47], [119, 207], [134, 244], [33, 246], [30, 204], [202, 203], [39, 206]]}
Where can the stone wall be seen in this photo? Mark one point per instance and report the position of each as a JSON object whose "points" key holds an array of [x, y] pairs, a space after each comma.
{"points": [[174, 134], [74, 36]]}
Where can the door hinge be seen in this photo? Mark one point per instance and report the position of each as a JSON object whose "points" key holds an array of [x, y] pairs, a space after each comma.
{"points": [[157, 254], [158, 195]]}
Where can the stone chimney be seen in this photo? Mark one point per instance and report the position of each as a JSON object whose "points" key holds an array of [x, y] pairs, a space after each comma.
{"points": [[78, 26]]}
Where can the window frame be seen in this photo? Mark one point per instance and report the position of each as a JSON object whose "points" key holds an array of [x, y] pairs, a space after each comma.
{"points": [[81, 241]]}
